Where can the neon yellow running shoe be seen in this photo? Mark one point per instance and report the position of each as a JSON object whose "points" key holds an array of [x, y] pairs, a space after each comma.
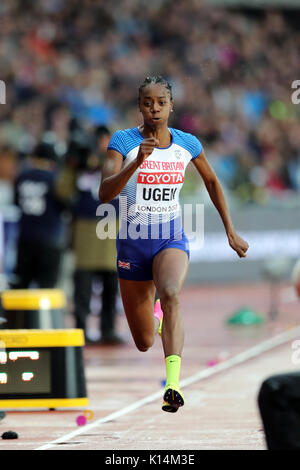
{"points": [[173, 398]]}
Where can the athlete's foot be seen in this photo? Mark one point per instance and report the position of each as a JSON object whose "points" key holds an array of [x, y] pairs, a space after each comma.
{"points": [[158, 313], [173, 398]]}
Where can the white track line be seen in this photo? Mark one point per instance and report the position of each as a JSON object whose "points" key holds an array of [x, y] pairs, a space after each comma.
{"points": [[202, 374]]}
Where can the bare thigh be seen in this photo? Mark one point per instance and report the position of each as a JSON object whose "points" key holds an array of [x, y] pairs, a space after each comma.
{"points": [[138, 301], [170, 269]]}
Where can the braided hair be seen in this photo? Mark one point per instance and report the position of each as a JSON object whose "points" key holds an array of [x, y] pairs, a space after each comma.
{"points": [[156, 80]]}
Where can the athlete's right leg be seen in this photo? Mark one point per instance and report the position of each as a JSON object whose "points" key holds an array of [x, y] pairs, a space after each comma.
{"points": [[138, 302]]}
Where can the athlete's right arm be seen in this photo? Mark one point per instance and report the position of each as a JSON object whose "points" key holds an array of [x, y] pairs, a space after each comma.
{"points": [[114, 177]]}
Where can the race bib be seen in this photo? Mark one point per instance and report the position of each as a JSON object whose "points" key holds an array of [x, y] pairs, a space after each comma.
{"points": [[158, 191]]}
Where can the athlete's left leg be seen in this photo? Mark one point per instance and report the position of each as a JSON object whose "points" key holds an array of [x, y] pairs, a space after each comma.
{"points": [[170, 268]]}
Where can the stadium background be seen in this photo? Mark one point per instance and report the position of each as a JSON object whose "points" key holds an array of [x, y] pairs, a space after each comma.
{"points": [[232, 64], [231, 67]]}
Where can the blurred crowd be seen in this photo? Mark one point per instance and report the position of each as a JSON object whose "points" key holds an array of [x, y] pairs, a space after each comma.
{"points": [[72, 71], [231, 73]]}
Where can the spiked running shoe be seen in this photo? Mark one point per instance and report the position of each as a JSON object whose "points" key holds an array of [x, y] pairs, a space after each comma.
{"points": [[173, 398], [158, 313]]}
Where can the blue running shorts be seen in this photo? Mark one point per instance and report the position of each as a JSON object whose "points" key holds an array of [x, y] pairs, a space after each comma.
{"points": [[135, 255]]}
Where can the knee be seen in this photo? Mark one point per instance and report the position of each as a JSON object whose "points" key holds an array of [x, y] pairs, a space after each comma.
{"points": [[169, 296], [142, 347], [144, 343]]}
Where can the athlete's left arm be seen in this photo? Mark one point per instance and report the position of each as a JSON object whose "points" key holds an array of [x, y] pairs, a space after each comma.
{"points": [[217, 196]]}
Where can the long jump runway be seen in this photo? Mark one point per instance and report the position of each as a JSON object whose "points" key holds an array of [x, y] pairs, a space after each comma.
{"points": [[125, 386]]}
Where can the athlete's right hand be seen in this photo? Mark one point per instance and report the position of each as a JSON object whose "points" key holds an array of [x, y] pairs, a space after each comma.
{"points": [[146, 148]]}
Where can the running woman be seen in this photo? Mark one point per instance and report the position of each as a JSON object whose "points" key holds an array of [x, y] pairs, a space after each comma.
{"points": [[145, 166]]}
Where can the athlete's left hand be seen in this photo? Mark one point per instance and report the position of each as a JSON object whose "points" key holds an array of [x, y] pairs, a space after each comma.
{"points": [[238, 244]]}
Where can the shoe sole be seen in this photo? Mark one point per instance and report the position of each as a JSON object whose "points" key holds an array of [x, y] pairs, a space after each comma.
{"points": [[172, 401]]}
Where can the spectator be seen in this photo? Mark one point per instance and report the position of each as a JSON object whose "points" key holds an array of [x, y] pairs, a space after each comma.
{"points": [[41, 227], [95, 259]]}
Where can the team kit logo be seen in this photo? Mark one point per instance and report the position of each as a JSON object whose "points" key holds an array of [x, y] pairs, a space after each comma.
{"points": [[124, 264]]}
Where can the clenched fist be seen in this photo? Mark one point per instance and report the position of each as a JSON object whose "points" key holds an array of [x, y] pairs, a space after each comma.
{"points": [[238, 244], [146, 148]]}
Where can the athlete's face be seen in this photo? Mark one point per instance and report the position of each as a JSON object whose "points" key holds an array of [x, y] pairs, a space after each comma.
{"points": [[155, 105]]}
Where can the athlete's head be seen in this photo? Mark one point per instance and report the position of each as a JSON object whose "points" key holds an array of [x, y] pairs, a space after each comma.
{"points": [[155, 101]]}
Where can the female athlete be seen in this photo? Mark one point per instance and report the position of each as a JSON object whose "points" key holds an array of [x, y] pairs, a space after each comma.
{"points": [[145, 166]]}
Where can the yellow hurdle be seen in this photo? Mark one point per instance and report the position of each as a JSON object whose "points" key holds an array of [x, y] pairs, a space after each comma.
{"points": [[34, 308]]}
